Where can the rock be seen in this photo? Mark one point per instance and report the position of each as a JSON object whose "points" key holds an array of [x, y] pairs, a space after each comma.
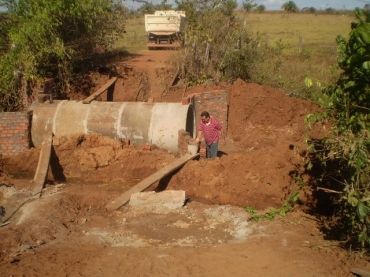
{"points": [[40, 242], [171, 199]]}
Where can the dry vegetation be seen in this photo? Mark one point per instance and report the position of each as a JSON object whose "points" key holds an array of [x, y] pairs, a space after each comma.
{"points": [[316, 59]]}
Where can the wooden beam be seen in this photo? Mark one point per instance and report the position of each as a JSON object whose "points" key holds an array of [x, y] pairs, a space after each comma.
{"points": [[360, 272], [99, 91], [43, 164], [124, 198]]}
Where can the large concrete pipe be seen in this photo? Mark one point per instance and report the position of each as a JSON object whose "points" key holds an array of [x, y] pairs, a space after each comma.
{"points": [[142, 123]]}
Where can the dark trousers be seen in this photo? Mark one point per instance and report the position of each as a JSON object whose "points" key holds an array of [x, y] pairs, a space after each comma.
{"points": [[212, 150]]}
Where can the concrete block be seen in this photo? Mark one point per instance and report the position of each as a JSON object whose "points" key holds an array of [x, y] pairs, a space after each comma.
{"points": [[170, 199]]}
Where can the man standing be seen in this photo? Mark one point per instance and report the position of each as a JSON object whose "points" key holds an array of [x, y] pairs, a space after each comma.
{"points": [[210, 129]]}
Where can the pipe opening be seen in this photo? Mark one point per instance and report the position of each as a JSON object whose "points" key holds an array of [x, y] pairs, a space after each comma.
{"points": [[190, 121]]}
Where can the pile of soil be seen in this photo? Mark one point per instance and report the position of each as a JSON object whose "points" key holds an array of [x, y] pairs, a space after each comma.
{"points": [[69, 228]]}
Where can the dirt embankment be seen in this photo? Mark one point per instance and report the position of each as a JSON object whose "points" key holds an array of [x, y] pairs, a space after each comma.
{"points": [[256, 166]]}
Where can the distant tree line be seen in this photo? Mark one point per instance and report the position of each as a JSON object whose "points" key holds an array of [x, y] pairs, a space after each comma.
{"points": [[291, 7]]}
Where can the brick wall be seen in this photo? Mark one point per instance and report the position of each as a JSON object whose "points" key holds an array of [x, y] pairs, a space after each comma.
{"points": [[215, 102], [14, 132]]}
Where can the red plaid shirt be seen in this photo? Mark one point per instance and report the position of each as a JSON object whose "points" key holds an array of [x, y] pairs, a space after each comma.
{"points": [[211, 132]]}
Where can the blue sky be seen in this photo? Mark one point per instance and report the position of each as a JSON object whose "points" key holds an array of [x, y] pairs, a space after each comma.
{"points": [[276, 4], [317, 4]]}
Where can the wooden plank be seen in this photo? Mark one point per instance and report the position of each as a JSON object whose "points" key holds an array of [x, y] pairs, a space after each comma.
{"points": [[99, 91], [360, 272], [124, 198], [43, 164]]}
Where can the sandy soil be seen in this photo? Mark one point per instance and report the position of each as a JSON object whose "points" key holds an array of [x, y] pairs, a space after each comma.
{"points": [[69, 232]]}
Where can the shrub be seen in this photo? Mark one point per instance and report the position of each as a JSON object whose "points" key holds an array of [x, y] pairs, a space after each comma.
{"points": [[343, 158], [51, 37]]}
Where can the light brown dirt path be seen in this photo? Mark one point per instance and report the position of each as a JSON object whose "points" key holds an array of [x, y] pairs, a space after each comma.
{"points": [[67, 233], [145, 75]]}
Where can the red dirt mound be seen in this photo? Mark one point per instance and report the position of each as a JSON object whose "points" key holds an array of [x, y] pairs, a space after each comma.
{"points": [[256, 167]]}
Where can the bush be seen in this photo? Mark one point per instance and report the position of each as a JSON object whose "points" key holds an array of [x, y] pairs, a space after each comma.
{"points": [[343, 158], [50, 38]]}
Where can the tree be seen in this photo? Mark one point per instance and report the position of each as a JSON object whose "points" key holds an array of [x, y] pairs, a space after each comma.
{"points": [[51, 38], [4, 34], [212, 28], [312, 10], [249, 5], [260, 8], [329, 10], [343, 156], [290, 7], [228, 7], [308, 10]]}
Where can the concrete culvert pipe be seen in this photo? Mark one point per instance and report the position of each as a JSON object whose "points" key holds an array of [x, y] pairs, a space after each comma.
{"points": [[142, 123]]}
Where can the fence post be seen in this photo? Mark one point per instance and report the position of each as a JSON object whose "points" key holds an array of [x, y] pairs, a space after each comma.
{"points": [[207, 53], [300, 44]]}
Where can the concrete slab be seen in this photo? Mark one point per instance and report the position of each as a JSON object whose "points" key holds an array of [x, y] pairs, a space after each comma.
{"points": [[170, 199]]}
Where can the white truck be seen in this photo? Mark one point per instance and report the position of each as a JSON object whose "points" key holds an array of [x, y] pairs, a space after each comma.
{"points": [[165, 29]]}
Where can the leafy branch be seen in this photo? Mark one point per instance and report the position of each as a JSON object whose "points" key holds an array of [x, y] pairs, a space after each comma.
{"points": [[344, 155]]}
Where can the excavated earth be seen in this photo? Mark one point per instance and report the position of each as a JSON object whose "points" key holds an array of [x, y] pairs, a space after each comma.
{"points": [[69, 232]]}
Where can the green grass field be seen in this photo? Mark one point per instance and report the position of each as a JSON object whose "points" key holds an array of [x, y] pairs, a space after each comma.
{"points": [[135, 38], [318, 32]]}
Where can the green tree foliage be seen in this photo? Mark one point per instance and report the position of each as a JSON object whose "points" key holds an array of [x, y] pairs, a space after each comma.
{"points": [[260, 8], [312, 10], [249, 5], [50, 38], [330, 11], [4, 34], [150, 8], [290, 7], [308, 10], [344, 156], [218, 46]]}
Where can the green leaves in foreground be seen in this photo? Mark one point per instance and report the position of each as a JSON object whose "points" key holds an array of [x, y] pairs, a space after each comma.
{"points": [[271, 213], [51, 39], [344, 155]]}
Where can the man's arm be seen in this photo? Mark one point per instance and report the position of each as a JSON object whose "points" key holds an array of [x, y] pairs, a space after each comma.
{"points": [[200, 135]]}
